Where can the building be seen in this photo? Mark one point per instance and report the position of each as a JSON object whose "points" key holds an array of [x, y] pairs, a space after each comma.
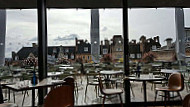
{"points": [[57, 52], [165, 53], [117, 48], [24, 52], [95, 35], [147, 45], [105, 48], [83, 50], [2, 36], [135, 54]]}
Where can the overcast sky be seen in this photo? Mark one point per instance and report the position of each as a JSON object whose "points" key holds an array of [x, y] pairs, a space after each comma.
{"points": [[66, 24]]}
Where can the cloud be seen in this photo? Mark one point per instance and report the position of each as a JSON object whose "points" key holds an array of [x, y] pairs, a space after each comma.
{"points": [[67, 37], [104, 28]]}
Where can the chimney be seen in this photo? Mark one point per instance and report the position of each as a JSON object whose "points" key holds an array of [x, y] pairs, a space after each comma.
{"points": [[158, 39], [106, 42], [101, 43], [155, 39], [13, 55], [169, 42], [134, 41], [34, 45]]}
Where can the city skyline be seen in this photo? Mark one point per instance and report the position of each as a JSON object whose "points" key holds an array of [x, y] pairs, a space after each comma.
{"points": [[65, 25]]}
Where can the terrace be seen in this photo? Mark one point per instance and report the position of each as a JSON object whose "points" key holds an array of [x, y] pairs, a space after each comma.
{"points": [[21, 75]]}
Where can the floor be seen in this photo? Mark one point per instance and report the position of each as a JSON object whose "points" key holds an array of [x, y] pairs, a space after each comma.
{"points": [[91, 99]]}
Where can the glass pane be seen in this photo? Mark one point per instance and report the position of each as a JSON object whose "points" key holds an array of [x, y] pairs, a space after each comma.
{"points": [[82, 43], [157, 48], [21, 53]]}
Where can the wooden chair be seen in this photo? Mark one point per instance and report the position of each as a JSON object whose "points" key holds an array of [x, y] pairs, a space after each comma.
{"points": [[107, 92], [62, 96], [186, 101], [175, 84]]}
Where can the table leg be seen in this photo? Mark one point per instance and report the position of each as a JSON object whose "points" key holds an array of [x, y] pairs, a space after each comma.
{"points": [[33, 97], [144, 85], [9, 94], [14, 96]]}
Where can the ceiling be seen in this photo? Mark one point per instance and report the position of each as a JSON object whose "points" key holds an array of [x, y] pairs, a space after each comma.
{"points": [[27, 4]]}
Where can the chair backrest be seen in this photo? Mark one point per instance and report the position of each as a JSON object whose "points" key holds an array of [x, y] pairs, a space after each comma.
{"points": [[91, 76], [186, 101], [62, 96], [176, 80], [101, 85]]}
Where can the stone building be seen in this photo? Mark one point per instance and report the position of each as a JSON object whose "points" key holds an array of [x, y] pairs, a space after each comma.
{"points": [[147, 45], [117, 48], [134, 51], [65, 52], [105, 48], [83, 50]]}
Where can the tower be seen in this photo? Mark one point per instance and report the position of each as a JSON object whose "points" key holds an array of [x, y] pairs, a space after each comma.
{"points": [[94, 35], [2, 36], [180, 34]]}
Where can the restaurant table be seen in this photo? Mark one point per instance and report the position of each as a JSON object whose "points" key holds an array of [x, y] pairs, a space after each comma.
{"points": [[144, 80], [17, 70], [43, 84], [108, 74], [66, 67], [167, 72], [54, 74]]}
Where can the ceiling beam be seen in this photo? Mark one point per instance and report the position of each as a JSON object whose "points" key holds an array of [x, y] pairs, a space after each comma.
{"points": [[30, 4]]}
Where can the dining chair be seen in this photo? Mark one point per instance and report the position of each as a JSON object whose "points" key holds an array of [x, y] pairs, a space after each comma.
{"points": [[62, 96], [175, 84], [186, 101], [187, 81], [107, 92], [92, 80]]}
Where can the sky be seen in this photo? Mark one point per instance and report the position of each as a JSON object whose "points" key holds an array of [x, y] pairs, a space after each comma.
{"points": [[64, 25]]}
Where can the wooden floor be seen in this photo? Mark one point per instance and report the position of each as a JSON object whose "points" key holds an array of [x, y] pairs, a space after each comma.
{"points": [[91, 99]]}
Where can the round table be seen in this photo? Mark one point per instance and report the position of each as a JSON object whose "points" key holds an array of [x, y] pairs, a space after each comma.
{"points": [[170, 71], [54, 74], [66, 67], [108, 75], [144, 80]]}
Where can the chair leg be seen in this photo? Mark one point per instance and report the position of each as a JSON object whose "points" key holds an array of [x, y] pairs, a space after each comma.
{"points": [[179, 95], [77, 87], [85, 92], [24, 98], [132, 91], [121, 100], [156, 92], [168, 96], [152, 86], [141, 88], [27, 93], [104, 98], [165, 97], [86, 89], [14, 96], [96, 90], [186, 85]]}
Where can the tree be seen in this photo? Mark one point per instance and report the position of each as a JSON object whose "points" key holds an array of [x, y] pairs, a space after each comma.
{"points": [[107, 59]]}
